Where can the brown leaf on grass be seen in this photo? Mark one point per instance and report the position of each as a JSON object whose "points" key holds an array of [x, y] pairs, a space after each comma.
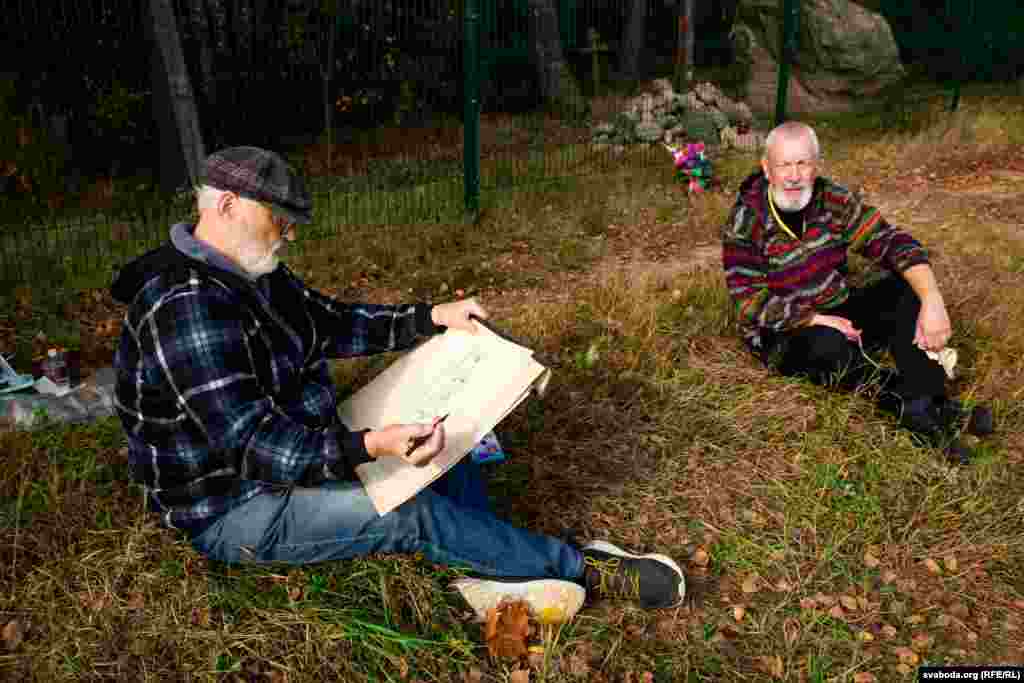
{"points": [[200, 616], [889, 631], [824, 600], [295, 593], [870, 561], [932, 566], [808, 603], [701, 557], [864, 677], [791, 630], [959, 610], [136, 601], [1019, 604], [90, 601], [916, 619], [866, 636], [888, 576], [921, 642], [951, 563], [771, 665], [738, 612], [519, 676], [906, 655], [750, 584], [903, 669], [837, 612], [783, 586], [508, 627], [849, 602], [12, 634], [474, 675], [278, 676], [575, 665]]}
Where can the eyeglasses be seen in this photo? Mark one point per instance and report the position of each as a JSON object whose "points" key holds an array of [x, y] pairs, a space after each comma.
{"points": [[803, 166]]}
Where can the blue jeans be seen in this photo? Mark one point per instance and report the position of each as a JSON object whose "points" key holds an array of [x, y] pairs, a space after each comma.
{"points": [[450, 523]]}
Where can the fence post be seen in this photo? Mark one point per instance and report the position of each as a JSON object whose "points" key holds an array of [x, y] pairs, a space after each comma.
{"points": [[471, 101], [789, 41]]}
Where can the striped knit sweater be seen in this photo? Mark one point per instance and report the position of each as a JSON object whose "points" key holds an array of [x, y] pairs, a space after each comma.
{"points": [[778, 282]]}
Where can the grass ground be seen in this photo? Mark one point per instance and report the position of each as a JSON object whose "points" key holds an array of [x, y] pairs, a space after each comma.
{"points": [[820, 543]]}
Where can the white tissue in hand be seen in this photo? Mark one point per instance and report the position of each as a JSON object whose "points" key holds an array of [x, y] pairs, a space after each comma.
{"points": [[946, 358]]}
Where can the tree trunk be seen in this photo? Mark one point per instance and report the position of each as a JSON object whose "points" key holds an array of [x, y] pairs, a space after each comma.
{"points": [[685, 44], [558, 86], [633, 41], [181, 139]]}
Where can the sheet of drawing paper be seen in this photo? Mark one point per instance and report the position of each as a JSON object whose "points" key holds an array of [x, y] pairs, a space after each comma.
{"points": [[477, 379]]}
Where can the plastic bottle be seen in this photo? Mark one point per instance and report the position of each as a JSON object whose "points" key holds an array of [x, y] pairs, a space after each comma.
{"points": [[56, 369], [92, 399]]}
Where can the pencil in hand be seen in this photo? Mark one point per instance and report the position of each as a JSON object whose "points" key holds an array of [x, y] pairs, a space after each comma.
{"points": [[420, 440]]}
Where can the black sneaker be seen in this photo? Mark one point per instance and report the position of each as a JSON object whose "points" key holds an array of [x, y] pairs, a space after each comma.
{"points": [[958, 454], [652, 580], [980, 422]]}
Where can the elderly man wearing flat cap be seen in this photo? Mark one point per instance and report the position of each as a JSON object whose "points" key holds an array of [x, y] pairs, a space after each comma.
{"points": [[224, 391]]}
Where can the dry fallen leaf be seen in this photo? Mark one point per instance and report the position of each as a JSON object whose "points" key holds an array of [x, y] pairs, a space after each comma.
{"points": [[791, 629], [915, 619], [870, 561], [903, 669], [519, 676], [825, 600], [951, 563], [783, 586], [508, 627], [906, 655], [889, 631], [12, 634], [771, 666], [837, 612], [738, 612], [474, 675], [864, 677], [888, 576], [808, 603], [849, 602], [576, 665], [278, 676], [136, 601], [932, 566], [701, 557], [959, 610], [921, 642], [750, 584], [866, 636]]}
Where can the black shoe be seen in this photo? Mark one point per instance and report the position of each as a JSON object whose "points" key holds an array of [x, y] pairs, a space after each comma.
{"points": [[652, 580], [958, 454], [979, 423], [922, 417]]}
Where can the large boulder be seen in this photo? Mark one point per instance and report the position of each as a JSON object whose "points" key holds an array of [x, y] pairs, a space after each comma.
{"points": [[845, 53]]}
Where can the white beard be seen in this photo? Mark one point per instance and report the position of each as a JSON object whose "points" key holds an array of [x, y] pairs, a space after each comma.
{"points": [[253, 259], [797, 204]]}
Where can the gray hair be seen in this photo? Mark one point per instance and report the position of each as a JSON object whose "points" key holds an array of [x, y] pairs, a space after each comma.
{"points": [[207, 197], [791, 130]]}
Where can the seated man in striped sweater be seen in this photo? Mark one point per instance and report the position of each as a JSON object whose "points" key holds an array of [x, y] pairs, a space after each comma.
{"points": [[785, 247]]}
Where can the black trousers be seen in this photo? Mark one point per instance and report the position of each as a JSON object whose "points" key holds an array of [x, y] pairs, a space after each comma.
{"points": [[886, 315]]}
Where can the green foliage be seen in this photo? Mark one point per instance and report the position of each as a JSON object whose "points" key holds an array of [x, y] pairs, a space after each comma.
{"points": [[704, 126], [118, 114], [31, 160]]}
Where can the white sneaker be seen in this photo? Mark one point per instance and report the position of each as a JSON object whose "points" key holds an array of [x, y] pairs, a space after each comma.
{"points": [[551, 601]]}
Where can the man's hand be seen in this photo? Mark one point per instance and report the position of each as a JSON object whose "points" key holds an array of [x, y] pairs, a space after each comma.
{"points": [[456, 314], [933, 326], [837, 323], [395, 441]]}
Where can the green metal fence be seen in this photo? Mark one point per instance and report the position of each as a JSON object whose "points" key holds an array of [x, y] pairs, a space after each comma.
{"points": [[400, 111]]}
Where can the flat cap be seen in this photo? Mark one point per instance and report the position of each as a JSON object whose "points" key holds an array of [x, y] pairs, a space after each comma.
{"points": [[260, 175]]}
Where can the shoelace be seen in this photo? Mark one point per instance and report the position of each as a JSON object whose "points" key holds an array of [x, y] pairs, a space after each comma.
{"points": [[612, 581]]}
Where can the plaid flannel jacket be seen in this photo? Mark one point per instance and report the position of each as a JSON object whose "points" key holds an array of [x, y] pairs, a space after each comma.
{"points": [[777, 282], [223, 387]]}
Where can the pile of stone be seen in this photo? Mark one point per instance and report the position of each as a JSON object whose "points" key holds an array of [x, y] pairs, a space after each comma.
{"points": [[661, 115]]}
